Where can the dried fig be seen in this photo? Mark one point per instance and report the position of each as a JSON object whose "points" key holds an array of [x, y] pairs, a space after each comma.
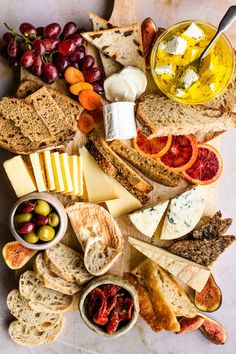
{"points": [[149, 31], [210, 298]]}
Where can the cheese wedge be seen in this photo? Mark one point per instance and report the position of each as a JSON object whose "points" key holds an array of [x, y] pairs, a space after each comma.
{"points": [[98, 184], [125, 204], [38, 169], [49, 170], [65, 169], [57, 173], [192, 274], [74, 172], [183, 214], [20, 176], [147, 220], [80, 176]]}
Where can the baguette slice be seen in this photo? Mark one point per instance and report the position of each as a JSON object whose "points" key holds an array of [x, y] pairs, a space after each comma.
{"points": [[110, 66], [19, 308], [162, 116], [29, 335], [51, 280], [123, 44], [39, 297], [148, 166], [67, 263], [25, 117]]}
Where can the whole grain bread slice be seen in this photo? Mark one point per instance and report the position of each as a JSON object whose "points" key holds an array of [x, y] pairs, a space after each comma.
{"points": [[25, 117], [110, 66], [123, 44], [162, 116], [147, 165]]}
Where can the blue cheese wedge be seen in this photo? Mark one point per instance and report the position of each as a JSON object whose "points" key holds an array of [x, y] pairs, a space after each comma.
{"points": [[147, 220], [192, 274], [183, 214], [176, 46], [194, 32]]}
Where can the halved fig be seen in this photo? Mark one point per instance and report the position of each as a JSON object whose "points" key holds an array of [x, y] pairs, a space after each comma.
{"points": [[190, 324], [210, 298], [16, 255], [149, 31], [213, 331]]}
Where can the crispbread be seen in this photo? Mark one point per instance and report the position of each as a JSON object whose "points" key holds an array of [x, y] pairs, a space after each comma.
{"points": [[110, 66], [123, 44]]}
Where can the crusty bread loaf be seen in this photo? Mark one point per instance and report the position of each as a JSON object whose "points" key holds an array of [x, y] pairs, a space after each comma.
{"points": [[24, 117], [29, 335], [162, 116], [20, 309], [51, 280], [110, 66], [147, 165], [41, 298], [123, 44], [67, 263]]}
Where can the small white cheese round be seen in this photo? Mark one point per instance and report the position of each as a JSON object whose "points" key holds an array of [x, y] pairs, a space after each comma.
{"points": [[136, 78], [117, 89]]}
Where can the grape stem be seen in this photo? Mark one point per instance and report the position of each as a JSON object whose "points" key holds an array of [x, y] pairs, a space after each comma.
{"points": [[15, 33]]}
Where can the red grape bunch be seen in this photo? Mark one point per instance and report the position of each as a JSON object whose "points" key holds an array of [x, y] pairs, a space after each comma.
{"points": [[48, 51]]}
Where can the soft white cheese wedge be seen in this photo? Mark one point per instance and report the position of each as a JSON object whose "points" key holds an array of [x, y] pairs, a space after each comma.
{"points": [[176, 45], [165, 69], [118, 89], [189, 78], [119, 121], [136, 78], [193, 31]]}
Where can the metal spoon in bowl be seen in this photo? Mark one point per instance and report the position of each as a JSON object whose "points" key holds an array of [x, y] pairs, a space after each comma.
{"points": [[226, 21]]}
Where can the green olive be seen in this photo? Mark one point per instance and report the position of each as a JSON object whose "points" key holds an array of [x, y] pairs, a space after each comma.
{"points": [[31, 237], [21, 218], [42, 207], [53, 220], [46, 233]]}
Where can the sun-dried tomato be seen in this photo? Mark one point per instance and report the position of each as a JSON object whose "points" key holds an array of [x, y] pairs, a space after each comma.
{"points": [[111, 303], [124, 308], [95, 301], [113, 322], [109, 289]]}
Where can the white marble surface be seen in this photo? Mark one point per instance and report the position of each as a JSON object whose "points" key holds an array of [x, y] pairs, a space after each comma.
{"points": [[76, 338]]}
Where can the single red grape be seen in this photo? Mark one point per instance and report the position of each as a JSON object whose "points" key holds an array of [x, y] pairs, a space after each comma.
{"points": [[50, 72], [98, 87], [50, 44], [28, 30], [69, 28], [77, 38], [37, 66], [87, 62], [13, 49], [52, 30], [14, 63], [66, 47], [61, 62], [93, 74], [27, 59], [77, 55], [8, 37], [39, 47], [40, 31]]}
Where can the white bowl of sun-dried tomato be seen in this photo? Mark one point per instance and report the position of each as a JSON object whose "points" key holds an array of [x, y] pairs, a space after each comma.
{"points": [[109, 306]]}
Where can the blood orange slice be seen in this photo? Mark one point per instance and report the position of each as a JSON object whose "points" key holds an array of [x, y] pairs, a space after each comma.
{"points": [[207, 167], [154, 147], [181, 154]]}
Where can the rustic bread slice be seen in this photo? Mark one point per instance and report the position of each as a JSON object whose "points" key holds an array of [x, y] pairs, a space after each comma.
{"points": [[29, 335], [24, 117], [123, 44], [33, 290], [26, 88], [110, 66], [148, 166], [203, 252], [51, 280], [162, 116], [67, 263], [19, 308]]}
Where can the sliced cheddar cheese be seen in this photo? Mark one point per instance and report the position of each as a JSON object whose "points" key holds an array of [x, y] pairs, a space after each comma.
{"points": [[65, 169], [74, 172], [80, 176], [38, 169], [57, 172], [49, 170]]}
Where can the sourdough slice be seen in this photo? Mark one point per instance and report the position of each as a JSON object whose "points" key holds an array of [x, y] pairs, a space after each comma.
{"points": [[51, 280], [19, 308], [52, 114], [67, 263], [148, 166], [29, 335], [123, 44], [33, 290], [162, 116], [110, 66], [24, 117], [203, 252]]}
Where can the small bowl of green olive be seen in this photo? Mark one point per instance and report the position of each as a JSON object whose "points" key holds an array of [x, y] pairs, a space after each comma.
{"points": [[38, 221]]}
